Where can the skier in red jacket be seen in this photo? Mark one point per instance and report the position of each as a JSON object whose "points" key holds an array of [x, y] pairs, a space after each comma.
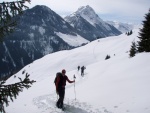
{"points": [[60, 87]]}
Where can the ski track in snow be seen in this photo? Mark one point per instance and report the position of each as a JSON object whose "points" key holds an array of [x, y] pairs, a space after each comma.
{"points": [[48, 103]]}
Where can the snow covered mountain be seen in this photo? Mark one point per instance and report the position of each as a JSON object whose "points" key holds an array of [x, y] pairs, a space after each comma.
{"points": [[117, 85], [122, 27], [89, 25], [40, 31]]}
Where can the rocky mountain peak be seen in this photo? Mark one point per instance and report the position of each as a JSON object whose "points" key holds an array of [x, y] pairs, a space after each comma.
{"points": [[89, 14]]}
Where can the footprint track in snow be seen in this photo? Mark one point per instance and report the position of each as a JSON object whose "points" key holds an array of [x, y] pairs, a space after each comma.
{"points": [[48, 102]]}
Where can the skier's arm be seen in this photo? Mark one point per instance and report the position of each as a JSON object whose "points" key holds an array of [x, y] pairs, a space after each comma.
{"points": [[70, 80]]}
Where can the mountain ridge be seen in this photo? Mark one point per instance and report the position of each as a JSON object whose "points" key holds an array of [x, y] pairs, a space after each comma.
{"points": [[90, 21], [40, 31]]}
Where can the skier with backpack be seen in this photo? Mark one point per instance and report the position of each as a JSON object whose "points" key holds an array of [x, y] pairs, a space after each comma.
{"points": [[60, 82], [82, 70]]}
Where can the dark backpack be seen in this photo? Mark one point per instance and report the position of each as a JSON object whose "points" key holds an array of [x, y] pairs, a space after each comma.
{"points": [[57, 74]]}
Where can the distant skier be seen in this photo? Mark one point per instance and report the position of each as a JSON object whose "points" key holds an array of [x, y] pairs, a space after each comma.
{"points": [[82, 70], [60, 87], [78, 68]]}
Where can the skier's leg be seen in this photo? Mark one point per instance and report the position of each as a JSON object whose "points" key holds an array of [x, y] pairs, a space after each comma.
{"points": [[62, 98], [59, 100]]}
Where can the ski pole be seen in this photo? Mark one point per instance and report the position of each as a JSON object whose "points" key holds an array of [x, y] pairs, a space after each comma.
{"points": [[74, 86]]}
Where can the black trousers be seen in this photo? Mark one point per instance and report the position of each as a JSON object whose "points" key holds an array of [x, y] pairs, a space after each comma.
{"points": [[61, 93], [82, 73]]}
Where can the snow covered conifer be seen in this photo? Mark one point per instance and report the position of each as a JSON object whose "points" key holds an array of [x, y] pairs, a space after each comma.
{"points": [[12, 90], [8, 10], [107, 57], [133, 49], [130, 33], [144, 43]]}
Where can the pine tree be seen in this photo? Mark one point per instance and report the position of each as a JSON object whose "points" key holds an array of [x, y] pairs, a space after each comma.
{"points": [[130, 32], [133, 49], [107, 57], [144, 43], [12, 90], [8, 10], [127, 33]]}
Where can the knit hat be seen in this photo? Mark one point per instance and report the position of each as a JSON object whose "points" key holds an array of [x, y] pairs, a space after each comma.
{"points": [[63, 71]]}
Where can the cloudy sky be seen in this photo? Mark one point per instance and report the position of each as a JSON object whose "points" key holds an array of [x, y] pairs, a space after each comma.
{"points": [[131, 11]]}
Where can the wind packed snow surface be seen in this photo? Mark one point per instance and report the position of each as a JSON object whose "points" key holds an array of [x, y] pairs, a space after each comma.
{"points": [[72, 40], [117, 85]]}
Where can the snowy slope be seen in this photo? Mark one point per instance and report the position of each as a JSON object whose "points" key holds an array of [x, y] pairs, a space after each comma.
{"points": [[72, 40], [117, 85]]}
